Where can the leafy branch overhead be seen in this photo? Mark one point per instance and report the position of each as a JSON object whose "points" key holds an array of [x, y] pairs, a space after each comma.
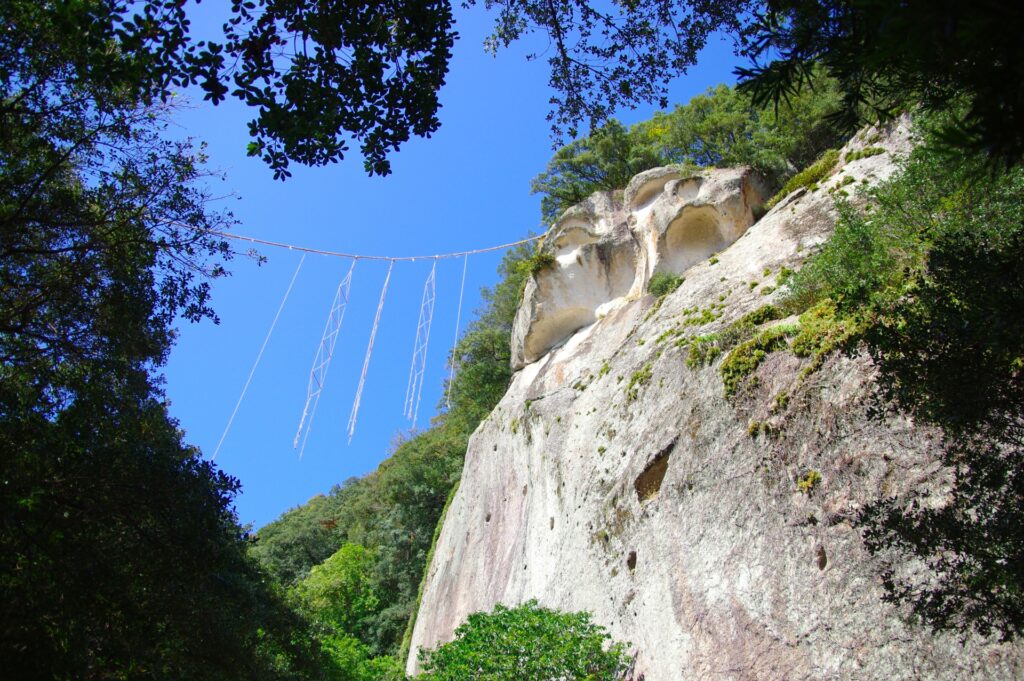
{"points": [[606, 56], [325, 76]]}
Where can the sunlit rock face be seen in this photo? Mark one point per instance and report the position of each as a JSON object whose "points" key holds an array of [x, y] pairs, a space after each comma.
{"points": [[615, 478], [607, 248]]}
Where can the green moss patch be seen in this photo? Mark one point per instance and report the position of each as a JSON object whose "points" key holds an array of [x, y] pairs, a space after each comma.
{"points": [[747, 356], [636, 381], [808, 177], [663, 283]]}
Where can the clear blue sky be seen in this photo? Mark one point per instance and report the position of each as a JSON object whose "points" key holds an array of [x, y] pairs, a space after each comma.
{"points": [[466, 187]]}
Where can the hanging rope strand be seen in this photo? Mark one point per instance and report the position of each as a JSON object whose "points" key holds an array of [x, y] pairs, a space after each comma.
{"points": [[418, 367], [259, 356], [455, 343], [323, 356], [366, 361]]}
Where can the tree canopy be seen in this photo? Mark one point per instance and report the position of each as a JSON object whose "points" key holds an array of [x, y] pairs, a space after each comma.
{"points": [[722, 127], [322, 76], [120, 554], [888, 56]]}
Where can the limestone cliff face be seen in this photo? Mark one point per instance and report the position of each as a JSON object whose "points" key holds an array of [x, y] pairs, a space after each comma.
{"points": [[613, 478]]}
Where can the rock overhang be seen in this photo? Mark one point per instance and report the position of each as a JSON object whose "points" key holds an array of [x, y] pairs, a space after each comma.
{"points": [[606, 249]]}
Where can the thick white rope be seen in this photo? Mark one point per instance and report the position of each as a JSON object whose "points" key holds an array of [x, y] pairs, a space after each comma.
{"points": [[455, 343], [323, 356], [366, 361], [258, 358], [418, 367], [351, 256]]}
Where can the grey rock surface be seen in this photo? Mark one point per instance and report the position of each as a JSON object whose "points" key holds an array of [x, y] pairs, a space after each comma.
{"points": [[647, 501], [606, 251]]}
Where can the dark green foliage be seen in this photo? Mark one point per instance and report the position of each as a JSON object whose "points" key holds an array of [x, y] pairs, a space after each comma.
{"points": [[119, 551], [120, 555], [951, 352], [719, 128], [862, 264], [603, 161], [887, 56], [304, 536], [527, 642], [930, 279], [722, 128], [663, 283], [367, 71]]}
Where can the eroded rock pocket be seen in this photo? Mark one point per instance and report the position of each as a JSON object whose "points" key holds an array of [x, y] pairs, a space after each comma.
{"points": [[648, 483]]}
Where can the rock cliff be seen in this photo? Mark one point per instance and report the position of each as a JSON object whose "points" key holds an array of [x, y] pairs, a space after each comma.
{"points": [[713, 533]]}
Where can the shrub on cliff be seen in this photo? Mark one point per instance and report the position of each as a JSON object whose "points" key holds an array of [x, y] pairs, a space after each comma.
{"points": [[527, 642]]}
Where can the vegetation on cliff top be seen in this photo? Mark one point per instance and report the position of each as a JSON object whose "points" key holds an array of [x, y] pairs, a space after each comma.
{"points": [[720, 128]]}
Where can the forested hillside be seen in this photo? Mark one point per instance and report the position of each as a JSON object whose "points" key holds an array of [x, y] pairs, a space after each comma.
{"points": [[121, 556]]}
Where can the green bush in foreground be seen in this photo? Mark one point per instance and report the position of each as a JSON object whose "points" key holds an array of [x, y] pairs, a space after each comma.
{"points": [[526, 643]]}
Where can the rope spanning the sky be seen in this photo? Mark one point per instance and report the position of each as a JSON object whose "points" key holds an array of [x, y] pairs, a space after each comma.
{"points": [[325, 351], [356, 256]]}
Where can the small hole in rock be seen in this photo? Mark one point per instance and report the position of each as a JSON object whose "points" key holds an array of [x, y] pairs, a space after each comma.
{"points": [[631, 561], [487, 519], [551, 524], [822, 558], [648, 483]]}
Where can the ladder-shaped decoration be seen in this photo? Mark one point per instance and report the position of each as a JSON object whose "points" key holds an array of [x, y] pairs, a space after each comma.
{"points": [[322, 358], [417, 370]]}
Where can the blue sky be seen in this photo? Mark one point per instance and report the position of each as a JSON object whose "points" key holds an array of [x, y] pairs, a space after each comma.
{"points": [[466, 187]]}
